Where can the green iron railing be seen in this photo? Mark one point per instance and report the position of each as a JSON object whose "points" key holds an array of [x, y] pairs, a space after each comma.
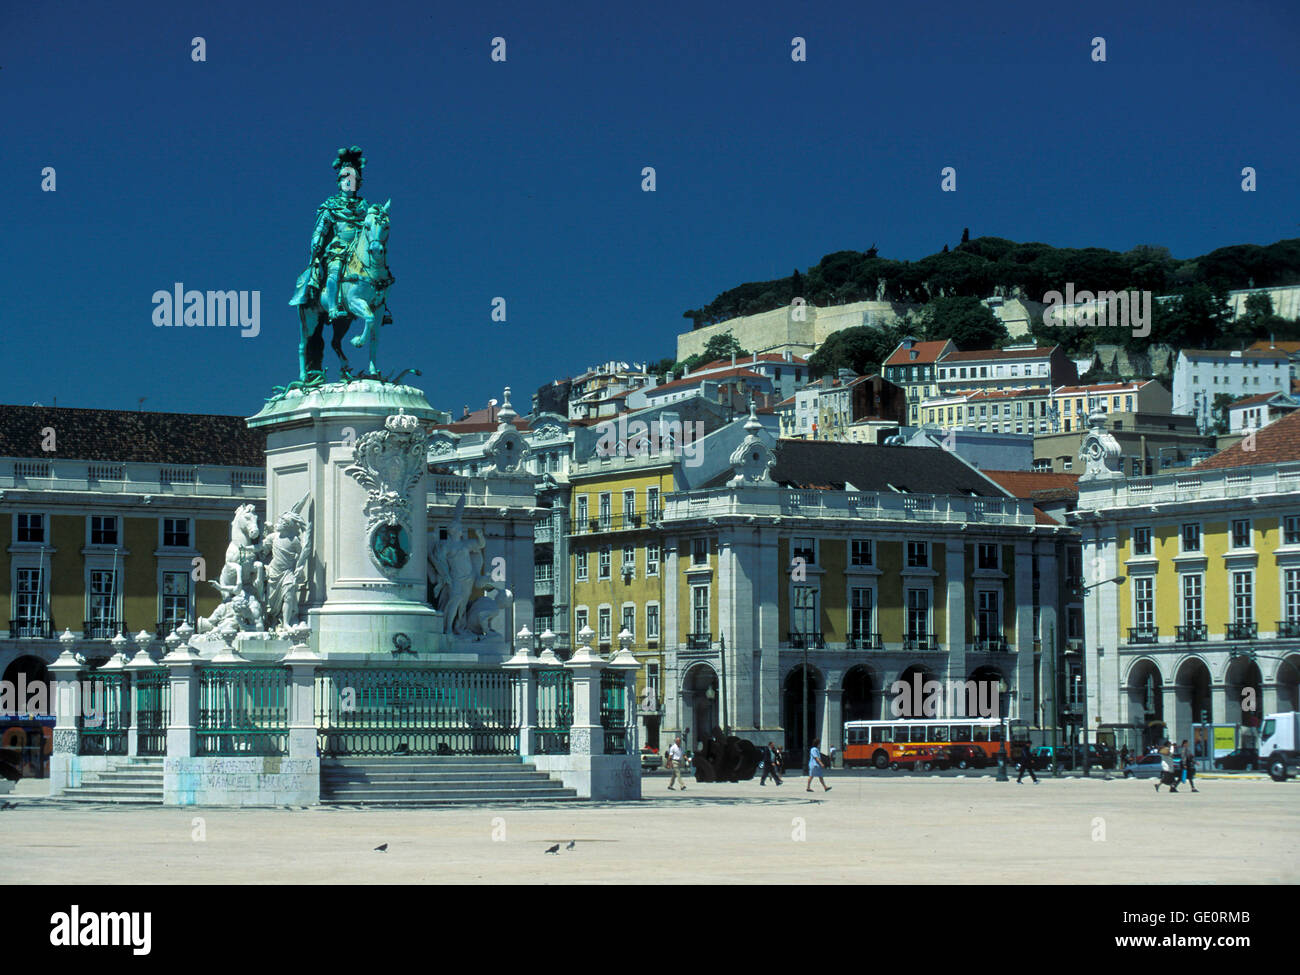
{"points": [[554, 712], [103, 713], [613, 712], [416, 712], [243, 711], [153, 698]]}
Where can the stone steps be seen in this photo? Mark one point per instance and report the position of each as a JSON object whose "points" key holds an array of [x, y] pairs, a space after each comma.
{"points": [[138, 782], [422, 780]]}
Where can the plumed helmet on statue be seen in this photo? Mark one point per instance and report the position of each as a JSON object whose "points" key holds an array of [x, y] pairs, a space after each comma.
{"points": [[350, 159]]}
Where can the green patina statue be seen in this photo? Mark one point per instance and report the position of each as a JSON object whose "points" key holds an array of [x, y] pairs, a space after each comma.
{"points": [[347, 274]]}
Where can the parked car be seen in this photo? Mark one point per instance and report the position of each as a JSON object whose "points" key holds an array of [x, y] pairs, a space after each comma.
{"points": [[651, 759], [1144, 767], [1099, 756], [920, 759], [1043, 755], [1242, 758], [967, 756]]}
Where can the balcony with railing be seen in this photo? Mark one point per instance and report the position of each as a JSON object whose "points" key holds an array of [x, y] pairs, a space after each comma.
{"points": [[543, 533], [862, 641], [133, 478], [101, 629], [920, 641], [1190, 633], [1241, 631], [543, 586], [31, 628], [807, 640], [1143, 634], [699, 641], [1288, 629], [990, 644], [610, 523]]}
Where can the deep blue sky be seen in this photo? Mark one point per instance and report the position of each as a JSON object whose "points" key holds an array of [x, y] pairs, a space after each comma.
{"points": [[523, 179]]}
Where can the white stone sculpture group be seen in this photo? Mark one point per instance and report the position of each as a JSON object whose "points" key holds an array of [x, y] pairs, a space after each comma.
{"points": [[456, 570], [263, 583]]}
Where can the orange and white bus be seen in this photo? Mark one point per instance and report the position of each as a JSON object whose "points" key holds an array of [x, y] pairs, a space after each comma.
{"points": [[912, 741]]}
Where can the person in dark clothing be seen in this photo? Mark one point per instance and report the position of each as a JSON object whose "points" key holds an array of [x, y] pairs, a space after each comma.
{"points": [[771, 764], [1026, 765], [1123, 758], [1189, 765]]}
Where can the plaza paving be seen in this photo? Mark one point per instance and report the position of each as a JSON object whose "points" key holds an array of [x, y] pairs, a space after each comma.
{"points": [[884, 829]]}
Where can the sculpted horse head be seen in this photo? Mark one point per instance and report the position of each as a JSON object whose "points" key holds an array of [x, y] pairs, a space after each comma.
{"points": [[243, 528]]}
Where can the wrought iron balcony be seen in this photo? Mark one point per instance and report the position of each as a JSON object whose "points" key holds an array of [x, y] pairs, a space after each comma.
{"points": [[862, 641], [31, 629], [1190, 633], [993, 644], [812, 641], [1241, 631], [101, 629], [1143, 634], [699, 641], [919, 641], [609, 523], [1288, 628]]}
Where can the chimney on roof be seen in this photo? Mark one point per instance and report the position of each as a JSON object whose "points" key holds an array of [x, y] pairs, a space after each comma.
{"points": [[733, 357], [465, 415], [755, 357], [788, 355]]}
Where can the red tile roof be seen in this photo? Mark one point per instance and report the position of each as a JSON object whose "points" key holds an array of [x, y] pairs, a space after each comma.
{"points": [[1274, 444], [1037, 485], [1033, 391], [926, 352], [776, 357], [1256, 398], [695, 379], [1101, 388], [1289, 347]]}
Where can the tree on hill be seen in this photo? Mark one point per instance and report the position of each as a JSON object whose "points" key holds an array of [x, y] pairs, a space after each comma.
{"points": [[860, 349], [718, 347], [965, 320]]}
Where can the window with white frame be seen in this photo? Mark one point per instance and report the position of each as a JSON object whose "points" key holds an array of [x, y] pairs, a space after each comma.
{"points": [[1142, 541], [1193, 610], [918, 613], [1291, 530], [29, 599], [1241, 533], [629, 504], [803, 610], [699, 551], [918, 555], [580, 561], [861, 606], [1144, 605], [579, 620], [31, 527], [988, 618], [700, 609], [602, 571], [175, 599], [652, 558], [604, 617], [652, 621], [1291, 595], [806, 549], [101, 609], [103, 529], [629, 619], [606, 511], [860, 552], [1191, 537], [176, 533], [629, 558], [986, 556], [652, 502], [1243, 597], [581, 517]]}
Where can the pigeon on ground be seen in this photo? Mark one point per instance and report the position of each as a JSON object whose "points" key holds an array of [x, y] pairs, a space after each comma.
{"points": [[554, 849], [572, 844], [382, 848]]}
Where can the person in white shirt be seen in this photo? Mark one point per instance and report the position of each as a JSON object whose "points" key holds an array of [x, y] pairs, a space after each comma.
{"points": [[677, 763], [815, 766]]}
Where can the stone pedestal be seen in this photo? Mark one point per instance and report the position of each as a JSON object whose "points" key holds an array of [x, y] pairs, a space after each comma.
{"points": [[358, 450], [65, 770]]}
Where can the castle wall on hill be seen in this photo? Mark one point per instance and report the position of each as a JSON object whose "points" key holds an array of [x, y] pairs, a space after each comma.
{"points": [[778, 330]]}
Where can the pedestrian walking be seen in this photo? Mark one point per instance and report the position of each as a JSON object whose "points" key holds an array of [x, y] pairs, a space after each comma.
{"points": [[1026, 764], [830, 754], [770, 764], [1189, 765], [815, 767], [1167, 776], [677, 763], [1123, 758]]}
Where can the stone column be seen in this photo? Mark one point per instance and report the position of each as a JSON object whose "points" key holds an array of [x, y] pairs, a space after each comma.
{"points": [[833, 717], [141, 661], [525, 666], [182, 725], [1169, 697], [302, 664], [586, 735], [626, 661], [67, 706]]}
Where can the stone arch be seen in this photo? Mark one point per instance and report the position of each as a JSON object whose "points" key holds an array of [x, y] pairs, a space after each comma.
{"points": [[700, 709], [796, 721], [862, 694], [1192, 696], [1244, 693], [994, 695], [1144, 689], [1287, 679]]}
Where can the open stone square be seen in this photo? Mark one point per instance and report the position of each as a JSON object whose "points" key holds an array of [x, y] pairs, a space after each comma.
{"points": [[867, 829]]}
